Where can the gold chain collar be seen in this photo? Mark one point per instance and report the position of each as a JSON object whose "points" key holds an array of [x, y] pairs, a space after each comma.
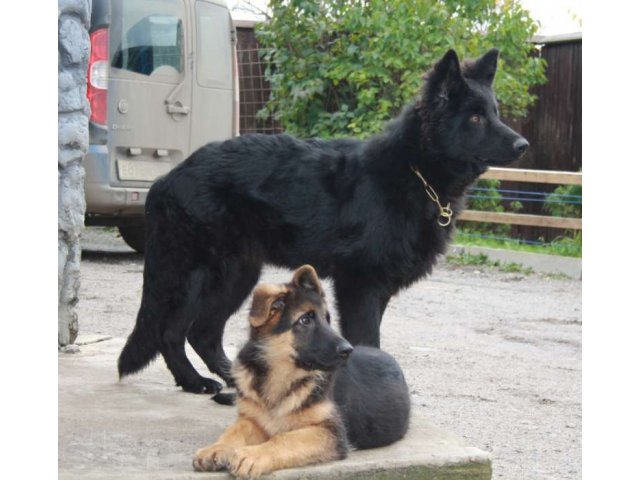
{"points": [[444, 219]]}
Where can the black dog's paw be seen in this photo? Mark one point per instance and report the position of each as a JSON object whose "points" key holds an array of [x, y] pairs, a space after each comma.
{"points": [[228, 398], [204, 385]]}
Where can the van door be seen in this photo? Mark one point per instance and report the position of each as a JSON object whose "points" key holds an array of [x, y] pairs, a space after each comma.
{"points": [[150, 79], [213, 94]]}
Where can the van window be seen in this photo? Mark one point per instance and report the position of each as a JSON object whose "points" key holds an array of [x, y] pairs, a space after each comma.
{"points": [[150, 36], [214, 46]]}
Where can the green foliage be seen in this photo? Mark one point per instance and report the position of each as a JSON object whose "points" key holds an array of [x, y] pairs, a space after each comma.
{"points": [[569, 245], [513, 267], [345, 67], [471, 259], [493, 202], [557, 202], [482, 260], [490, 200]]}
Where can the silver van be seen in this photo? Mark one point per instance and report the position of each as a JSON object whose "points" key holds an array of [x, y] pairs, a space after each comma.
{"points": [[162, 81]]}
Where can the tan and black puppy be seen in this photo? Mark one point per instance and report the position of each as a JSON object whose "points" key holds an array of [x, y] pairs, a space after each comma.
{"points": [[284, 379]]}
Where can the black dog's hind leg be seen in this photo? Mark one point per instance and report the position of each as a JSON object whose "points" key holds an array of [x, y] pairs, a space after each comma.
{"points": [[173, 351], [205, 337], [361, 311], [217, 303], [177, 323]]}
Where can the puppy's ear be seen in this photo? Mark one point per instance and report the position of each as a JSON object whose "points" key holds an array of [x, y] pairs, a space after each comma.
{"points": [[306, 277], [445, 79], [484, 68], [268, 301]]}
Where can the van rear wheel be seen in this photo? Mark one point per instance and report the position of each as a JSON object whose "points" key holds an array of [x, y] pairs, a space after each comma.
{"points": [[134, 236]]}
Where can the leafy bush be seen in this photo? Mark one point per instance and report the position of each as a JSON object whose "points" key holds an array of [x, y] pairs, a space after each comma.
{"points": [[565, 201], [569, 245], [344, 67], [490, 199]]}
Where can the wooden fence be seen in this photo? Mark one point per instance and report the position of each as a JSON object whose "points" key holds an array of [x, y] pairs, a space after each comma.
{"points": [[530, 176]]}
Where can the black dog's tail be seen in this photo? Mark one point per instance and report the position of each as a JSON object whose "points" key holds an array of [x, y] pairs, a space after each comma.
{"points": [[140, 349]]}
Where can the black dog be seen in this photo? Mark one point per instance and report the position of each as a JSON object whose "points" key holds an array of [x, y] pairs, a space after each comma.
{"points": [[372, 214]]}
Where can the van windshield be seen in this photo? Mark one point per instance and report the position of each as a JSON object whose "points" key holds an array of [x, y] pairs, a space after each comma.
{"points": [[148, 35]]}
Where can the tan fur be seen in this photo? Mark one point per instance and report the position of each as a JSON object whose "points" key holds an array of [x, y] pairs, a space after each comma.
{"points": [[280, 354], [261, 307], [285, 450], [273, 430], [269, 436], [216, 456], [274, 424]]}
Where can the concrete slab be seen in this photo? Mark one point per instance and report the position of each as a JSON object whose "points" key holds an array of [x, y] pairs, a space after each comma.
{"points": [[571, 267], [145, 428]]}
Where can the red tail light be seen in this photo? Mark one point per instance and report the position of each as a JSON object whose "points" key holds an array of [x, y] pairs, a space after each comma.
{"points": [[97, 75]]}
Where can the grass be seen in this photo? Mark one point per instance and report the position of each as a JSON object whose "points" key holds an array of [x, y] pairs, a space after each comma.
{"points": [[482, 260], [565, 246], [557, 276]]}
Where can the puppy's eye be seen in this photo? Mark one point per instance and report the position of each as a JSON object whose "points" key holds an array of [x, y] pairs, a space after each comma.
{"points": [[307, 318], [475, 119]]}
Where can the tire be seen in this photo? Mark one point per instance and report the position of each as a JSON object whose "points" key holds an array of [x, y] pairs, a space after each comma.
{"points": [[134, 236]]}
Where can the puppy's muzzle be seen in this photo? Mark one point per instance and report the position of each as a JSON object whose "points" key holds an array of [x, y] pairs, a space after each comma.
{"points": [[344, 350]]}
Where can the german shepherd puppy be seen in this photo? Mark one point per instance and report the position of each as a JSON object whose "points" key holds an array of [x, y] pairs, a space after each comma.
{"points": [[356, 210], [284, 376]]}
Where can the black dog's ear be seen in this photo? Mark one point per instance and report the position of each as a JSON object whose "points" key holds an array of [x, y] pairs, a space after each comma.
{"points": [[306, 277], [484, 68], [268, 301], [445, 80]]}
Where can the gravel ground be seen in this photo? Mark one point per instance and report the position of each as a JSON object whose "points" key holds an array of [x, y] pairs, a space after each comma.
{"points": [[493, 357]]}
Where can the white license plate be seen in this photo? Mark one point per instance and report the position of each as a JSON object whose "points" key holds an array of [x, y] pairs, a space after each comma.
{"points": [[146, 171]]}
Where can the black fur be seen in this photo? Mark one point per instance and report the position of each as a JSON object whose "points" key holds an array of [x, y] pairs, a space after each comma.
{"points": [[353, 209], [373, 398]]}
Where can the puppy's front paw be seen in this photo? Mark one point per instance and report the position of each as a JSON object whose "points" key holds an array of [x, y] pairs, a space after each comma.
{"points": [[248, 463], [212, 458]]}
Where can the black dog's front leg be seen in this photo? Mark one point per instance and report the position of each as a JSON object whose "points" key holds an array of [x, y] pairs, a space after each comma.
{"points": [[361, 311]]}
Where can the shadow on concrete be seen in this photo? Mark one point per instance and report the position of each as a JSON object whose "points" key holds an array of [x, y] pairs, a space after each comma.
{"points": [[102, 256]]}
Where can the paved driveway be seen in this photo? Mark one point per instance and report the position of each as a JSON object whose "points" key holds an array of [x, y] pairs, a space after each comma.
{"points": [[493, 357]]}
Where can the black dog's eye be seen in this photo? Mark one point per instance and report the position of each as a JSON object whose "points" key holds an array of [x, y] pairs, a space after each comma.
{"points": [[307, 318], [475, 119]]}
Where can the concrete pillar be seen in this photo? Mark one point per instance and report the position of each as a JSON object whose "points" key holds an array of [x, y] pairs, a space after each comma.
{"points": [[73, 140]]}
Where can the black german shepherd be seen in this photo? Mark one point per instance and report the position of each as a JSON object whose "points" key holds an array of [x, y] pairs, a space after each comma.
{"points": [[290, 411], [372, 214]]}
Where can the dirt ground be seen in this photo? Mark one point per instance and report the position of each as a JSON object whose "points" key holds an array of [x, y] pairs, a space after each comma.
{"points": [[493, 357]]}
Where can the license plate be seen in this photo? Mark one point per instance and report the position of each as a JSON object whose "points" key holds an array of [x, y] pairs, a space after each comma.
{"points": [[146, 171]]}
